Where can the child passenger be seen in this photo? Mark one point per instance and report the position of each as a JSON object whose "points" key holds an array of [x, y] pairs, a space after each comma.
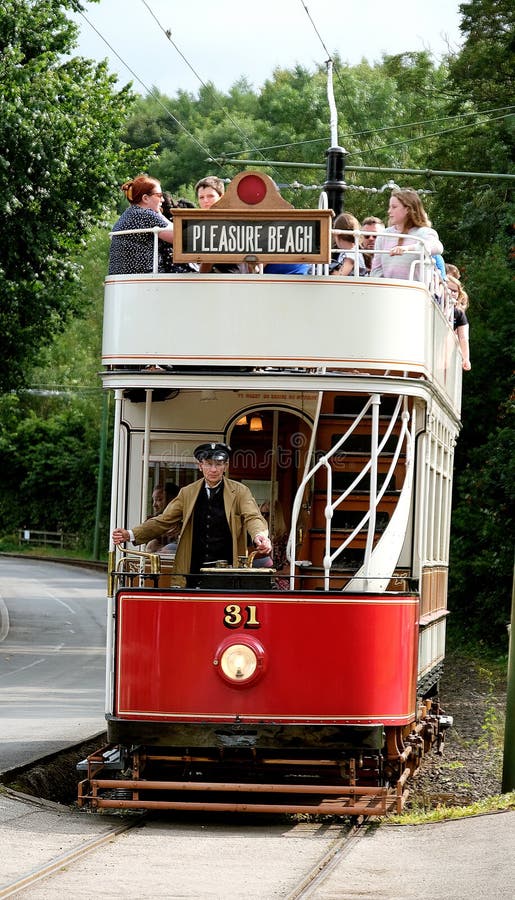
{"points": [[344, 264]]}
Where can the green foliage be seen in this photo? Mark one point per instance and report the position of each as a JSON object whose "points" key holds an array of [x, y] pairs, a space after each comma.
{"points": [[49, 470], [485, 68], [60, 157], [50, 436]]}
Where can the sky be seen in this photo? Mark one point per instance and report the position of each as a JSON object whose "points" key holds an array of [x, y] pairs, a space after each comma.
{"points": [[222, 42]]}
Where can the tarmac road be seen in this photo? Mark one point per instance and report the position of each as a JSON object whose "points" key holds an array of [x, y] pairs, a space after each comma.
{"points": [[52, 652]]}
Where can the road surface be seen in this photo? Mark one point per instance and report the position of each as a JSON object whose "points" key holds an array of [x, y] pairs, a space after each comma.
{"points": [[52, 640]]}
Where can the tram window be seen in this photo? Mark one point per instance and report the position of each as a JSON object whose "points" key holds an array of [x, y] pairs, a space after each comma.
{"points": [[159, 475], [345, 405], [260, 490]]}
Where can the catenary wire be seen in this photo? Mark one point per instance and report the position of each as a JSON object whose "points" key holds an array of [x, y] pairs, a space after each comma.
{"points": [[168, 35], [353, 134], [147, 89]]}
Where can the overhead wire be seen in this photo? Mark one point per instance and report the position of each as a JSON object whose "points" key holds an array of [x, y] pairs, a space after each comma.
{"points": [[147, 89], [351, 134], [168, 34], [440, 133]]}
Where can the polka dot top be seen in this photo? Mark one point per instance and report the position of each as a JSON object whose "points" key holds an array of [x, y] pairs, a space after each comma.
{"points": [[134, 253]]}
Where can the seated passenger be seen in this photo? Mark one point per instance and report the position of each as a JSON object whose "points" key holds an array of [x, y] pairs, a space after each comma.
{"points": [[279, 536], [344, 264], [209, 190], [460, 321], [406, 216], [453, 270], [169, 204], [134, 253], [372, 226], [161, 497], [439, 279]]}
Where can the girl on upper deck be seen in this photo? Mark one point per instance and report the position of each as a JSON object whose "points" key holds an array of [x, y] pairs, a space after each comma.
{"points": [[134, 253], [406, 216], [348, 245]]}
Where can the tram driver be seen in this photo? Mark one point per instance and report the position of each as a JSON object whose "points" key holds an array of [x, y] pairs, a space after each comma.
{"points": [[216, 514]]}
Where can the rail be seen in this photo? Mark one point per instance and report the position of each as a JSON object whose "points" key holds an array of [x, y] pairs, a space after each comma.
{"points": [[155, 231], [423, 264]]}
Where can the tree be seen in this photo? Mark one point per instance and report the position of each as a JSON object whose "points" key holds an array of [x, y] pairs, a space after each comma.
{"points": [[485, 67], [60, 158], [478, 234]]}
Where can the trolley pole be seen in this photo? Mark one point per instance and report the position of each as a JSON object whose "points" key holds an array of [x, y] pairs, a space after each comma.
{"points": [[508, 771], [335, 183], [101, 465]]}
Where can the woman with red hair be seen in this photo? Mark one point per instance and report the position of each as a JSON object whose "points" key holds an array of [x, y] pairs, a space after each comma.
{"points": [[132, 250]]}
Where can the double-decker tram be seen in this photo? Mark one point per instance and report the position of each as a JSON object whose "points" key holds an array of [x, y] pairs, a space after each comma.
{"points": [[311, 686]]}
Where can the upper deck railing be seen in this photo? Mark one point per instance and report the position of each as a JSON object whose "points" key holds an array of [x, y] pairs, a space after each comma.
{"points": [[257, 321]]}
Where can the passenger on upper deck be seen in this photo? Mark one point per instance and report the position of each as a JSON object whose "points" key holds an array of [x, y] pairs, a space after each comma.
{"points": [[451, 269], [344, 264], [460, 321], [373, 226], [168, 205], [287, 269], [134, 253], [216, 515], [209, 190], [406, 216]]}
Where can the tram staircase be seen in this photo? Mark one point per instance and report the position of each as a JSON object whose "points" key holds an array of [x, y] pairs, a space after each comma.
{"points": [[351, 511]]}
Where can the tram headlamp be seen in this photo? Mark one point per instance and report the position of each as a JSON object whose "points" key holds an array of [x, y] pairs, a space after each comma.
{"points": [[239, 662]]}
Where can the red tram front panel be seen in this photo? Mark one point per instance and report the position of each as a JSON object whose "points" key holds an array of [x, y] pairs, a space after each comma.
{"points": [[315, 658]]}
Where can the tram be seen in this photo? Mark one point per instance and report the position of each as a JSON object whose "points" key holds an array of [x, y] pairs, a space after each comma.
{"points": [[314, 688]]}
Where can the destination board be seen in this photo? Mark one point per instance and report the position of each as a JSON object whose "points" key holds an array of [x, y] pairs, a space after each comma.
{"points": [[252, 223], [275, 237]]}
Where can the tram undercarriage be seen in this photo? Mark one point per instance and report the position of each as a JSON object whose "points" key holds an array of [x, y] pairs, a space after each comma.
{"points": [[327, 770]]}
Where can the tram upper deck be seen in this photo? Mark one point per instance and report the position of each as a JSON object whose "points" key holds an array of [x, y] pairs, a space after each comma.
{"points": [[263, 322], [212, 326]]}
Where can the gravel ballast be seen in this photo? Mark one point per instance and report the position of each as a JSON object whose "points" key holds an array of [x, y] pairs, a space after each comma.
{"points": [[474, 694]]}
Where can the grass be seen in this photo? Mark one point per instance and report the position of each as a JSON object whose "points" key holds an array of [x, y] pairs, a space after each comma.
{"points": [[46, 551], [498, 803]]}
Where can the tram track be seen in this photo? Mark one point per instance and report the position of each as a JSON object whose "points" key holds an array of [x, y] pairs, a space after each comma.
{"points": [[319, 873], [30, 877], [292, 856]]}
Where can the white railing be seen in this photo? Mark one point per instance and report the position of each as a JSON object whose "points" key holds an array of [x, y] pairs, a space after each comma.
{"points": [[369, 518], [155, 231], [424, 262]]}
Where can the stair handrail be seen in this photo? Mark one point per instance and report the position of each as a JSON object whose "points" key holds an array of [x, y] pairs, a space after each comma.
{"points": [[323, 461], [375, 496], [373, 504]]}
